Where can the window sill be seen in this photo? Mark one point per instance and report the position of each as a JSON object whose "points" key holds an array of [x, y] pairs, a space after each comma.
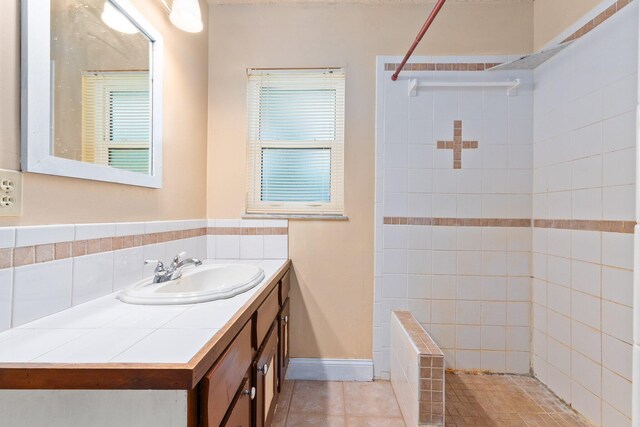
{"points": [[308, 217]]}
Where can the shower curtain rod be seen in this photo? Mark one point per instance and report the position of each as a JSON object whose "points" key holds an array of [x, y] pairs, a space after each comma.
{"points": [[423, 30]]}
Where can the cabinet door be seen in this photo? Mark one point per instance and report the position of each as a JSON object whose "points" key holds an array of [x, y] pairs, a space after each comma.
{"points": [[283, 352], [239, 414], [266, 371], [220, 385]]}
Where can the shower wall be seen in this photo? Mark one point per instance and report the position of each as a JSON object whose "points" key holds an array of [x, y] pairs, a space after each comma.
{"points": [[453, 211], [584, 206]]}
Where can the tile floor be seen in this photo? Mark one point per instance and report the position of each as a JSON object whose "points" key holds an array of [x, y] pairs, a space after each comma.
{"points": [[471, 400]]}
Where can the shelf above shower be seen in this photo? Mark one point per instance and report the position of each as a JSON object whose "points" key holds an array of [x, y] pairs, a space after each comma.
{"points": [[510, 86]]}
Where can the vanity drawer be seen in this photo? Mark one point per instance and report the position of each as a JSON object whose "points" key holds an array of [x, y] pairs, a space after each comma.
{"points": [[285, 286], [219, 386], [265, 315]]}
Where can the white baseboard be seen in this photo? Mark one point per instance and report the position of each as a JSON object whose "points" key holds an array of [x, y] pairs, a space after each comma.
{"points": [[330, 369]]}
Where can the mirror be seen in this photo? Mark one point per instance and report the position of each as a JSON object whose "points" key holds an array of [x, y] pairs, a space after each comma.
{"points": [[103, 120]]}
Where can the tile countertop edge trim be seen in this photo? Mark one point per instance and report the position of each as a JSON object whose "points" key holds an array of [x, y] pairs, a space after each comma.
{"points": [[135, 376]]}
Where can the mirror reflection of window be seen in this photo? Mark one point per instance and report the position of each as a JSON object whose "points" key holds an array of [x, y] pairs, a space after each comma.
{"points": [[116, 122], [101, 86]]}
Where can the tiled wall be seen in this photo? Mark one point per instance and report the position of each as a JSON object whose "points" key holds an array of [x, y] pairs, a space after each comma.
{"points": [[453, 236], [584, 170], [46, 269]]}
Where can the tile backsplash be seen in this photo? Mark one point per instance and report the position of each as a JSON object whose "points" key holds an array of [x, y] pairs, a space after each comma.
{"points": [[46, 269]]}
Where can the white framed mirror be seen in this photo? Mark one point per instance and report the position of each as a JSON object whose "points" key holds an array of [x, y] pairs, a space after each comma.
{"points": [[91, 91]]}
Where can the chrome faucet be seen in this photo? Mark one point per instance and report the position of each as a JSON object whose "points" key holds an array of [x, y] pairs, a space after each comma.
{"points": [[174, 271]]}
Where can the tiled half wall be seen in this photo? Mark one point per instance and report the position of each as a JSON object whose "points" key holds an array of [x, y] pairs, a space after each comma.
{"points": [[417, 372], [46, 269]]}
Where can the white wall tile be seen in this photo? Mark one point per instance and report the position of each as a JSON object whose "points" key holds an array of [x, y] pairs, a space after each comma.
{"points": [[92, 277], [39, 235], [585, 277], [586, 402], [617, 356], [617, 285], [6, 291], [617, 250], [7, 237], [227, 247], [587, 373], [617, 321], [95, 231], [251, 247], [196, 247], [276, 247], [619, 167], [131, 228], [616, 391], [618, 203], [587, 341], [41, 289], [211, 246], [128, 266]]}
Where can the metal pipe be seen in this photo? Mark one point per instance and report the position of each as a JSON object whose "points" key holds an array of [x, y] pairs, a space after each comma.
{"points": [[423, 30]]}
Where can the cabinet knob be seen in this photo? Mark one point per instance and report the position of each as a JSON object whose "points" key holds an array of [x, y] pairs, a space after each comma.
{"points": [[286, 319], [251, 393], [264, 369]]}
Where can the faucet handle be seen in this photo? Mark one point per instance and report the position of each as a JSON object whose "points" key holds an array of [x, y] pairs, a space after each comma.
{"points": [[176, 259], [159, 264]]}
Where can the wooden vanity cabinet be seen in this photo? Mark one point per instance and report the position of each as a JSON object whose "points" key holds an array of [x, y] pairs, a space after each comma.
{"points": [[266, 371], [243, 386]]}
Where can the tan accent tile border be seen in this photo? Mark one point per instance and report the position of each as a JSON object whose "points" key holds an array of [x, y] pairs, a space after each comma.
{"points": [[20, 256], [443, 66], [587, 225], [247, 231], [599, 19], [459, 222]]}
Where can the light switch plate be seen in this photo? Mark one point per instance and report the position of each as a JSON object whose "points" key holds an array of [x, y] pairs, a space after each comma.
{"points": [[10, 193]]}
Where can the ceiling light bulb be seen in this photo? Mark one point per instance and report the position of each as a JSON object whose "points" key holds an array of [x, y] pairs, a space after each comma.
{"points": [[185, 14], [116, 20]]}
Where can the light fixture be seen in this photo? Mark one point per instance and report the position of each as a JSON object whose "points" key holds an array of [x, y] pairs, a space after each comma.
{"points": [[186, 15], [117, 20]]}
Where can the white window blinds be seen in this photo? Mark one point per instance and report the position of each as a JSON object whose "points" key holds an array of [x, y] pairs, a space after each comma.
{"points": [[296, 141], [116, 119]]}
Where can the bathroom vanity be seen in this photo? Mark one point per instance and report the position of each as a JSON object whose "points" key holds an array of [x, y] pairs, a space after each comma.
{"points": [[220, 363]]}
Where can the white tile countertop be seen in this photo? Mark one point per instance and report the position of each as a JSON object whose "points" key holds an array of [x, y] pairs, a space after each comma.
{"points": [[107, 330]]}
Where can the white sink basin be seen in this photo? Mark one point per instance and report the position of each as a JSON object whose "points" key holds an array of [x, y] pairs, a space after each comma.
{"points": [[199, 284]]}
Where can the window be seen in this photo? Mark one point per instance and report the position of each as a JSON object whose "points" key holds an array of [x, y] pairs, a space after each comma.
{"points": [[116, 119], [296, 142]]}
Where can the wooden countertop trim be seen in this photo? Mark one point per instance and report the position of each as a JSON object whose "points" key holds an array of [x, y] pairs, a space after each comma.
{"points": [[135, 376]]}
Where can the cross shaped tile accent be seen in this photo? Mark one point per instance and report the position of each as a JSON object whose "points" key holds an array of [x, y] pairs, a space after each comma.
{"points": [[457, 144]]}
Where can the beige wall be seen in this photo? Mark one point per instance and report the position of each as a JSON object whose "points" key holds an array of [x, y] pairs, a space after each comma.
{"points": [[49, 199], [332, 296], [552, 17]]}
